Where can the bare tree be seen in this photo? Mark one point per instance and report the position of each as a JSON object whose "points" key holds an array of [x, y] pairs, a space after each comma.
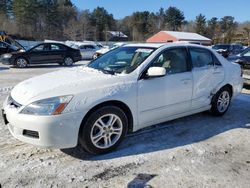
{"points": [[247, 34]]}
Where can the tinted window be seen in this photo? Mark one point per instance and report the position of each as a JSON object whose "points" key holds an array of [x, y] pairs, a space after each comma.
{"points": [[173, 60], [89, 47], [201, 57], [82, 47], [57, 47], [42, 47]]}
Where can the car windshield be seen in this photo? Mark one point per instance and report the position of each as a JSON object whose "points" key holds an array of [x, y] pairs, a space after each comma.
{"points": [[246, 51], [121, 60], [217, 47]]}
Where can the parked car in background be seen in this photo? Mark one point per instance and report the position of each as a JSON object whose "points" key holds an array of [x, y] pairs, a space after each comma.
{"points": [[42, 54], [105, 50], [227, 50], [124, 90], [88, 50], [243, 58], [7, 48]]}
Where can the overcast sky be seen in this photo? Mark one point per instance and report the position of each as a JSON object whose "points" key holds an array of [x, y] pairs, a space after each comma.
{"points": [[240, 9]]}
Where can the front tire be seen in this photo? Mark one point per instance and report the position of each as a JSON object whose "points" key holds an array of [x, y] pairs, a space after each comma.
{"points": [[221, 101], [95, 56], [104, 130], [21, 62]]}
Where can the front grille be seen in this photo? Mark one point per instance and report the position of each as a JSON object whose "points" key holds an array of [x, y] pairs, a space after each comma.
{"points": [[29, 133], [13, 103]]}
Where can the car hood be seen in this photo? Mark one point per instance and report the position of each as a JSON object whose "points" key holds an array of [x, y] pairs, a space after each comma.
{"points": [[18, 52], [234, 57], [65, 82], [103, 50]]}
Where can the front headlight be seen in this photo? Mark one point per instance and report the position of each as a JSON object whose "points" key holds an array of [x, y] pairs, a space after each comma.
{"points": [[51, 106], [7, 56]]}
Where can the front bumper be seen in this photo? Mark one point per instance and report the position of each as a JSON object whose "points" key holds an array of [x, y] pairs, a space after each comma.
{"points": [[59, 131]]}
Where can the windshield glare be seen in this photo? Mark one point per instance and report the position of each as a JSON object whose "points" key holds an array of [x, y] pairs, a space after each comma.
{"points": [[121, 60]]}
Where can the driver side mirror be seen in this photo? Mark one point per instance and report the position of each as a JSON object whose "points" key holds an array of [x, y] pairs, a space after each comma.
{"points": [[156, 72]]}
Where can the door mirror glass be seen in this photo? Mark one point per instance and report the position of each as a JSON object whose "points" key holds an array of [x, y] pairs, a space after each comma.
{"points": [[156, 72]]}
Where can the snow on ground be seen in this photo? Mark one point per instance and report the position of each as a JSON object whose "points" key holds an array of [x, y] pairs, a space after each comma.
{"points": [[195, 151]]}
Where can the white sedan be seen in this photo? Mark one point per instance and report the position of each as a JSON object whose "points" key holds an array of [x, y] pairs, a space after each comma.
{"points": [[129, 88]]}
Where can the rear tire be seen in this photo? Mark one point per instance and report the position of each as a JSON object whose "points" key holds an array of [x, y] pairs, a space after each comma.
{"points": [[21, 62], [221, 101], [103, 130], [68, 61]]}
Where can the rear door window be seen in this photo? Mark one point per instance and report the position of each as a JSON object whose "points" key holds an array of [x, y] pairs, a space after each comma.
{"points": [[201, 57], [55, 47]]}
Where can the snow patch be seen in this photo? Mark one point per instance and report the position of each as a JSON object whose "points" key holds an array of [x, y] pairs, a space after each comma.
{"points": [[5, 90]]}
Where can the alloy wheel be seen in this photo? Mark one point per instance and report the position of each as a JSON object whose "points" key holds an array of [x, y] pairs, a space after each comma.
{"points": [[68, 61], [21, 62], [106, 131], [223, 101]]}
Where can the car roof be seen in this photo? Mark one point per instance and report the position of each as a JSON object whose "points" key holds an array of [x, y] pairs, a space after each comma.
{"points": [[87, 44], [146, 45], [158, 45], [222, 45], [57, 43], [51, 43]]}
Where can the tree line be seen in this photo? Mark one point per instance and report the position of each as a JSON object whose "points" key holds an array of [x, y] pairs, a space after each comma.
{"points": [[61, 20]]}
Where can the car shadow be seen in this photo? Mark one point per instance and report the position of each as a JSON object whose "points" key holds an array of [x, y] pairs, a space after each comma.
{"points": [[41, 66], [141, 180], [177, 133], [4, 68]]}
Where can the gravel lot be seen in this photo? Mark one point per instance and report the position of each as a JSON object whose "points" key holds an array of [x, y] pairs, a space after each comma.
{"points": [[195, 151]]}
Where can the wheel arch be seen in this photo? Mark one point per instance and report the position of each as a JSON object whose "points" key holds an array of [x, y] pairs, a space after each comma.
{"points": [[116, 103], [229, 86], [68, 55]]}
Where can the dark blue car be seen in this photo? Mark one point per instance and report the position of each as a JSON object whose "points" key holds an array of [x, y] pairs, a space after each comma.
{"points": [[243, 58]]}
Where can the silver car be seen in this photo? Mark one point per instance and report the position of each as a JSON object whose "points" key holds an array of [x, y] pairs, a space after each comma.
{"points": [[88, 50]]}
